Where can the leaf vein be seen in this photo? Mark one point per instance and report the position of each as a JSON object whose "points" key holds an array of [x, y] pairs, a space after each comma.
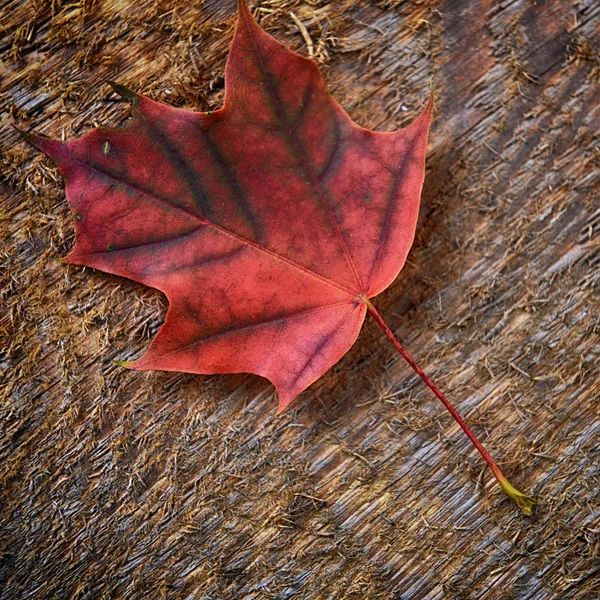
{"points": [[265, 322], [389, 209], [223, 230], [315, 181], [321, 346]]}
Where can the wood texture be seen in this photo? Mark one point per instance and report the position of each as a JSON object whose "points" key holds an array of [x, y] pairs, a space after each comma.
{"points": [[118, 484]]}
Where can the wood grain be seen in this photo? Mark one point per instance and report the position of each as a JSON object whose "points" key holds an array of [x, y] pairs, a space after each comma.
{"points": [[118, 484]]}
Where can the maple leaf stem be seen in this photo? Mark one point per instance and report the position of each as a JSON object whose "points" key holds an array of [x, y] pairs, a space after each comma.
{"points": [[524, 502]]}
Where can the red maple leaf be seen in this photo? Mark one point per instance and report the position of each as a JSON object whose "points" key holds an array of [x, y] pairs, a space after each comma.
{"points": [[268, 224]]}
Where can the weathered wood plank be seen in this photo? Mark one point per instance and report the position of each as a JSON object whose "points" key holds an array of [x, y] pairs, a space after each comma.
{"points": [[129, 485]]}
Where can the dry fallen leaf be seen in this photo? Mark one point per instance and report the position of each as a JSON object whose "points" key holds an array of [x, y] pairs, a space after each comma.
{"points": [[268, 224]]}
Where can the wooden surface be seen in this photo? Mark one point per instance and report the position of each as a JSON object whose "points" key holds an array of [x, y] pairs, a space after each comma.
{"points": [[117, 484]]}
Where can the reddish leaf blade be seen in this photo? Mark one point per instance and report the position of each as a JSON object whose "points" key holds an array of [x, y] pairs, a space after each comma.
{"points": [[268, 224]]}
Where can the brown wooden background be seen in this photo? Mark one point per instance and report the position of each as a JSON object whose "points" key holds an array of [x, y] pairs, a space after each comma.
{"points": [[117, 484]]}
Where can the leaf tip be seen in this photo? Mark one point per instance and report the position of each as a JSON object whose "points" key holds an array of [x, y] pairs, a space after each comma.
{"points": [[24, 134], [284, 401], [431, 102], [243, 10], [37, 141], [123, 363], [125, 93], [73, 258]]}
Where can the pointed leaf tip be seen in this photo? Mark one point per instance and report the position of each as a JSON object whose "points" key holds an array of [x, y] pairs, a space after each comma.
{"points": [[20, 131], [47, 145], [281, 407], [431, 101], [243, 10], [28, 136], [122, 363], [125, 93]]}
